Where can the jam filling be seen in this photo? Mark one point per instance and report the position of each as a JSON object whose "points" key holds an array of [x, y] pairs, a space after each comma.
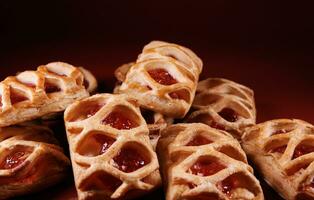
{"points": [[301, 150], [92, 110], [205, 167], [14, 159], [161, 76], [217, 126], [129, 160], [229, 184], [180, 94], [228, 114], [105, 142], [51, 88], [280, 149], [1, 101], [101, 181], [16, 97], [119, 121], [198, 141]]}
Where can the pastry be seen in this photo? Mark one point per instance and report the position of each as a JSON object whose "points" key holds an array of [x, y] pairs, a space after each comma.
{"points": [[30, 160], [33, 94], [111, 154], [163, 78], [283, 151], [199, 162], [224, 105]]}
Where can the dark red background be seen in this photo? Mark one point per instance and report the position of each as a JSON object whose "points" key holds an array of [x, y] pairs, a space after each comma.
{"points": [[266, 45]]}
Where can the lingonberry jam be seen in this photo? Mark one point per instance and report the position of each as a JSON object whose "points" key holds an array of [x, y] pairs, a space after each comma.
{"points": [[129, 160], [119, 121], [198, 141], [14, 159], [280, 149], [161, 76], [105, 142], [16, 97], [179, 94], [205, 167], [228, 114], [301, 150]]}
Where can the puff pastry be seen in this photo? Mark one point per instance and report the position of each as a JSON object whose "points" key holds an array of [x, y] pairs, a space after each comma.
{"points": [[223, 104], [283, 150], [163, 78], [111, 154], [30, 160], [33, 94], [199, 162]]}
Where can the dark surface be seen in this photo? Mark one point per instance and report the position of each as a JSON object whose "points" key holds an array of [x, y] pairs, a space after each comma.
{"points": [[267, 46]]}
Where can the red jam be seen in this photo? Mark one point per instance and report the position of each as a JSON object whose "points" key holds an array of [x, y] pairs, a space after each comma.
{"points": [[51, 88], [92, 110], [198, 141], [161, 76], [217, 126], [280, 149], [180, 94], [16, 97], [101, 181], [229, 184], [129, 160], [119, 121], [301, 150], [206, 167], [105, 142], [14, 159], [228, 114]]}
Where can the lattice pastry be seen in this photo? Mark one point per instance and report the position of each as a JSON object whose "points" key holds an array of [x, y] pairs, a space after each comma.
{"points": [[50, 89], [224, 105], [163, 78], [111, 154], [156, 122], [199, 162], [30, 160], [283, 150]]}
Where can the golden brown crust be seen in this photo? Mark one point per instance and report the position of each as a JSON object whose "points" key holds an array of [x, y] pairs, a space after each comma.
{"points": [[30, 160], [172, 93], [283, 150], [185, 150], [223, 104], [98, 138], [32, 94]]}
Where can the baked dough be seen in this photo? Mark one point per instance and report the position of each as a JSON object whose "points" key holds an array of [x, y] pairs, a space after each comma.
{"points": [[112, 157], [163, 78], [199, 162], [30, 160], [223, 104], [283, 150], [33, 94]]}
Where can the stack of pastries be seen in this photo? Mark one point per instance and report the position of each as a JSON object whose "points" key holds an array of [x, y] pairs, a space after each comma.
{"points": [[161, 126]]}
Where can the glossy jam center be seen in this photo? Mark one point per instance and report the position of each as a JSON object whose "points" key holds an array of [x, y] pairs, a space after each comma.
{"points": [[162, 76], [228, 114], [119, 121], [105, 142], [51, 88], [129, 160], [198, 141], [14, 159], [16, 97], [217, 125], [205, 167], [92, 110], [301, 150], [280, 149], [180, 94], [229, 184]]}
